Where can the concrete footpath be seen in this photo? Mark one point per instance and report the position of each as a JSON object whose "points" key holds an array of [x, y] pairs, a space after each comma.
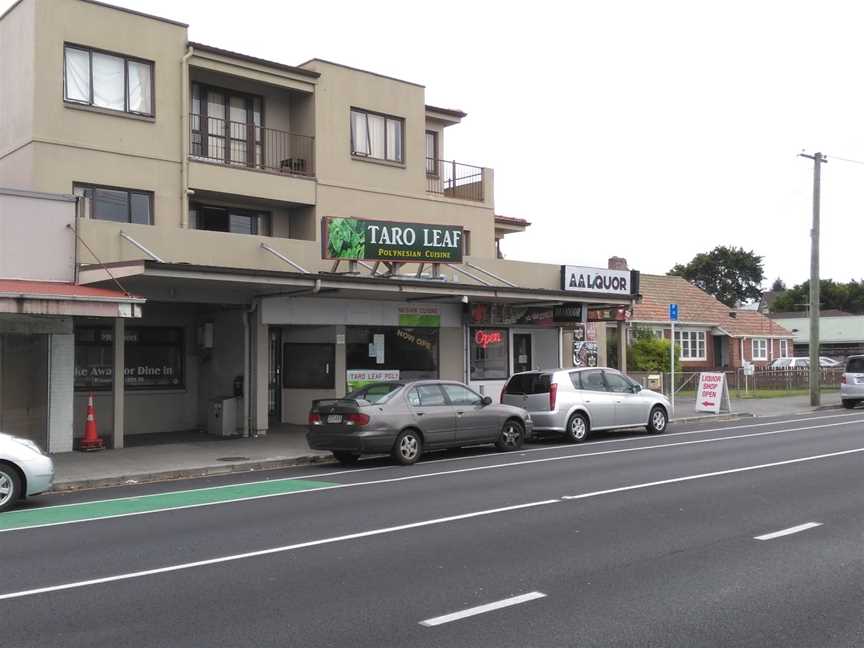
{"points": [[287, 447]]}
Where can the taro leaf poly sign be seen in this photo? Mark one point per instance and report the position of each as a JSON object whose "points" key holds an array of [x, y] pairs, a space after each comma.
{"points": [[359, 378], [372, 240], [711, 392]]}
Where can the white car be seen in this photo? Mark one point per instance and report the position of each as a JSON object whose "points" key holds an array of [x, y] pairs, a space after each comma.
{"points": [[802, 363], [25, 470]]}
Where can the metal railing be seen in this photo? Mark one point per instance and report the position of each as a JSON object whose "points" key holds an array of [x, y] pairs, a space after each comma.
{"points": [[455, 180], [760, 381], [252, 146]]}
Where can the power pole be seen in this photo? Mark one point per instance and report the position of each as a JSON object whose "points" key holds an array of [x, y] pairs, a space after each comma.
{"points": [[815, 368]]}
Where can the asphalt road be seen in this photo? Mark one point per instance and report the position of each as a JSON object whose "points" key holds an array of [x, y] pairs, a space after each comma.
{"points": [[727, 534]]}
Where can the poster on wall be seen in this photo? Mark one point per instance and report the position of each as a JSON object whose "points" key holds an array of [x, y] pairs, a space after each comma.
{"points": [[585, 348], [359, 378], [372, 240], [419, 316]]}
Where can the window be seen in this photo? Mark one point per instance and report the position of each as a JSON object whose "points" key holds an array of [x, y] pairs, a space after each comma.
{"points": [[227, 126], [154, 357], [617, 383], [118, 205], [377, 393], [529, 383], [459, 395], [106, 80], [229, 219], [691, 344], [413, 352], [784, 348], [428, 395], [592, 380], [308, 366], [376, 136], [490, 355], [431, 153], [760, 349]]}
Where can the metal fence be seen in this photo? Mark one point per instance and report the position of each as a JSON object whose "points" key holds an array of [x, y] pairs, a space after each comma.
{"points": [[250, 145], [761, 380], [455, 180]]}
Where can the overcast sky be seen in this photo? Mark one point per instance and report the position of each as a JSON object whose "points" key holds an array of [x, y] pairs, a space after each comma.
{"points": [[649, 130]]}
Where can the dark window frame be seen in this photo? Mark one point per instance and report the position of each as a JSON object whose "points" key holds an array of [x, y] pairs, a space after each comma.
{"points": [[240, 211], [369, 156], [126, 60], [203, 130], [83, 186], [433, 172]]}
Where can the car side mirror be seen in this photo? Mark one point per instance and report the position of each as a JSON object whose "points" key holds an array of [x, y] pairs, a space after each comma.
{"points": [[637, 389], [486, 400]]}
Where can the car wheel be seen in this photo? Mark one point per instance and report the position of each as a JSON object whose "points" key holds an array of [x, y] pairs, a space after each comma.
{"points": [[511, 437], [10, 487], [657, 420], [577, 428], [407, 448], [346, 458], [849, 404]]}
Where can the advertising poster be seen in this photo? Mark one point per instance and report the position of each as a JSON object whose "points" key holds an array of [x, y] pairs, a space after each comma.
{"points": [[585, 348], [359, 378]]}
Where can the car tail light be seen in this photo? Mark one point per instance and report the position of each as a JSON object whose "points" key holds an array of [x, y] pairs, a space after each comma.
{"points": [[314, 419], [843, 379], [553, 396], [357, 419]]}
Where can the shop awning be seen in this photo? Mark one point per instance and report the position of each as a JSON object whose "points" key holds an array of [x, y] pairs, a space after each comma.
{"points": [[65, 299], [208, 284]]}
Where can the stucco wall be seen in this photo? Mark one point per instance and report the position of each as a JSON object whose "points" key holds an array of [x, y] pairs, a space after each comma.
{"points": [[17, 74], [35, 242]]}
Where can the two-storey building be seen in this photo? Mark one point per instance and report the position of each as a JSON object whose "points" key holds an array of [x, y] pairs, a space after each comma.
{"points": [[295, 230]]}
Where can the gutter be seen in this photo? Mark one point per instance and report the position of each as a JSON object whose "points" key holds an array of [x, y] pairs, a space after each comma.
{"points": [[184, 137]]}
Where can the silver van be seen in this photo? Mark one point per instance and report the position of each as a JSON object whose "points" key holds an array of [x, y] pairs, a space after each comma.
{"points": [[852, 382], [573, 402]]}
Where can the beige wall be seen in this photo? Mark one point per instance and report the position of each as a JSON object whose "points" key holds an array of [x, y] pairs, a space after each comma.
{"points": [[35, 239], [17, 63]]}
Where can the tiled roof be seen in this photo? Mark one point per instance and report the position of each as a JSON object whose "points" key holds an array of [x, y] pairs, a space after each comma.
{"points": [[695, 306], [59, 290]]}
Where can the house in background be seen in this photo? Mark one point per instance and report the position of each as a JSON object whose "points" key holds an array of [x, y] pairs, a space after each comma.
{"points": [[710, 334], [841, 334]]}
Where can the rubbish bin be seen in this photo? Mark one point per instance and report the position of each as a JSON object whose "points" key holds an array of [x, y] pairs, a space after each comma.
{"points": [[222, 416]]}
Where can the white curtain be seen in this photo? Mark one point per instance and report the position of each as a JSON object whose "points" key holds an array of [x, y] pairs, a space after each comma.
{"points": [[108, 81], [77, 75], [376, 136], [140, 98], [394, 140], [359, 136]]}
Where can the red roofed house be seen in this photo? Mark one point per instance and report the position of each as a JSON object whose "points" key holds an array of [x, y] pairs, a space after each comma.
{"points": [[709, 333]]}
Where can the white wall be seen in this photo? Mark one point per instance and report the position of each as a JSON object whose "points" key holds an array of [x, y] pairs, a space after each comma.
{"points": [[60, 392]]}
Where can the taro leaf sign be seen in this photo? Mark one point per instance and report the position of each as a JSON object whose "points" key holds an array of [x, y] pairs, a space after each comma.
{"points": [[372, 240]]}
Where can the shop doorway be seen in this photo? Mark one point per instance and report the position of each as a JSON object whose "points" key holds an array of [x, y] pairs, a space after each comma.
{"points": [[24, 386], [274, 376], [522, 352]]}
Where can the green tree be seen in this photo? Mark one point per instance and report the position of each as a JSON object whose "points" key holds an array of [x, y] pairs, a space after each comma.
{"points": [[731, 274], [649, 353], [847, 297], [778, 286]]}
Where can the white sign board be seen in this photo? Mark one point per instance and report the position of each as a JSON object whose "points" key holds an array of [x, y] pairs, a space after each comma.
{"points": [[711, 392], [595, 280]]}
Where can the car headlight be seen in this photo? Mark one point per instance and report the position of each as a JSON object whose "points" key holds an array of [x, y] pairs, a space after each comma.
{"points": [[27, 443]]}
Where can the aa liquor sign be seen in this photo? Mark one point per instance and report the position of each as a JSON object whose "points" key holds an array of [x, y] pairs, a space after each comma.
{"points": [[713, 393]]}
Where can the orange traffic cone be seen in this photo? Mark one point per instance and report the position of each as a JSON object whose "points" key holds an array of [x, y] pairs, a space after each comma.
{"points": [[91, 440]]}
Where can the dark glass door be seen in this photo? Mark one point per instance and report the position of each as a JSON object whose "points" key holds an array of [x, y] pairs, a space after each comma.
{"points": [[274, 376], [522, 360]]}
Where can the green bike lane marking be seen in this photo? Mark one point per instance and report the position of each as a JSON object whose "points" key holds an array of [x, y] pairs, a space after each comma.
{"points": [[124, 506]]}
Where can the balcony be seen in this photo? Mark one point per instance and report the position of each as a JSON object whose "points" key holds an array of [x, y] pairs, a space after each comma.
{"points": [[249, 145], [456, 180]]}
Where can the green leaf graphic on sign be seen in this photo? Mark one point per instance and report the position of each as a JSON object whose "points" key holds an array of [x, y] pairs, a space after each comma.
{"points": [[346, 239]]}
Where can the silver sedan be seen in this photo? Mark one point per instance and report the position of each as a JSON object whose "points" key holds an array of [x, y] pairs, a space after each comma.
{"points": [[406, 418], [574, 402], [24, 470]]}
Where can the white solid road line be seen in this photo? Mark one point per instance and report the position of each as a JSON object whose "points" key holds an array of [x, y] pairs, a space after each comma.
{"points": [[481, 609], [402, 527], [789, 531], [390, 480]]}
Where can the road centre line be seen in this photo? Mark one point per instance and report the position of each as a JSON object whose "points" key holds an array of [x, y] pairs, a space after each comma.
{"points": [[482, 609], [401, 527], [789, 531], [412, 477], [355, 471]]}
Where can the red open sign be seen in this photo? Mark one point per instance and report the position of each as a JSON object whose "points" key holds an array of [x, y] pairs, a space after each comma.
{"points": [[484, 339]]}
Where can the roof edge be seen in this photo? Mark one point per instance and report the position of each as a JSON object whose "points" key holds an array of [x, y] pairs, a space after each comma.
{"points": [[447, 111], [176, 23], [251, 59], [356, 69]]}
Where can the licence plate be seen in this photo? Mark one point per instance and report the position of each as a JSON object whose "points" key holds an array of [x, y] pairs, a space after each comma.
{"points": [[334, 418]]}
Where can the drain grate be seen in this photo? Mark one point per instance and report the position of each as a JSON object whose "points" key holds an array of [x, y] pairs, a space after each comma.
{"points": [[233, 459]]}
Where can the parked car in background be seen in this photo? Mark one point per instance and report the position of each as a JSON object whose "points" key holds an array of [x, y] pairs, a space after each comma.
{"points": [[407, 418], [803, 363], [852, 382], [25, 470], [574, 402]]}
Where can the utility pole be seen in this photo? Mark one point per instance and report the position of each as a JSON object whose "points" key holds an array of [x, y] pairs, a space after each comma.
{"points": [[815, 368]]}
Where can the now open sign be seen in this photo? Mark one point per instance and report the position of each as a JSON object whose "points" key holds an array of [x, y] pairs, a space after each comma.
{"points": [[712, 389]]}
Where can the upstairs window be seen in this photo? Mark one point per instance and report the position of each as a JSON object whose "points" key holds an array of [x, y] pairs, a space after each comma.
{"points": [[229, 219], [118, 205], [377, 136], [104, 80], [431, 153]]}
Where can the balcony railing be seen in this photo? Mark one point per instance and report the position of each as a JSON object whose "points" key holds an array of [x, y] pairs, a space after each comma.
{"points": [[454, 179], [251, 146]]}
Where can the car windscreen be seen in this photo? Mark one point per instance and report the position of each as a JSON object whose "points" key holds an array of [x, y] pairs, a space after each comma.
{"points": [[529, 383], [855, 365], [375, 393]]}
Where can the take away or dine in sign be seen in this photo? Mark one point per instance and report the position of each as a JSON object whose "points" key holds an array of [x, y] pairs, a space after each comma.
{"points": [[712, 392]]}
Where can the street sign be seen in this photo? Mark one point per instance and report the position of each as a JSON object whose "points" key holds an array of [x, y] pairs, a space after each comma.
{"points": [[712, 393], [673, 312]]}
